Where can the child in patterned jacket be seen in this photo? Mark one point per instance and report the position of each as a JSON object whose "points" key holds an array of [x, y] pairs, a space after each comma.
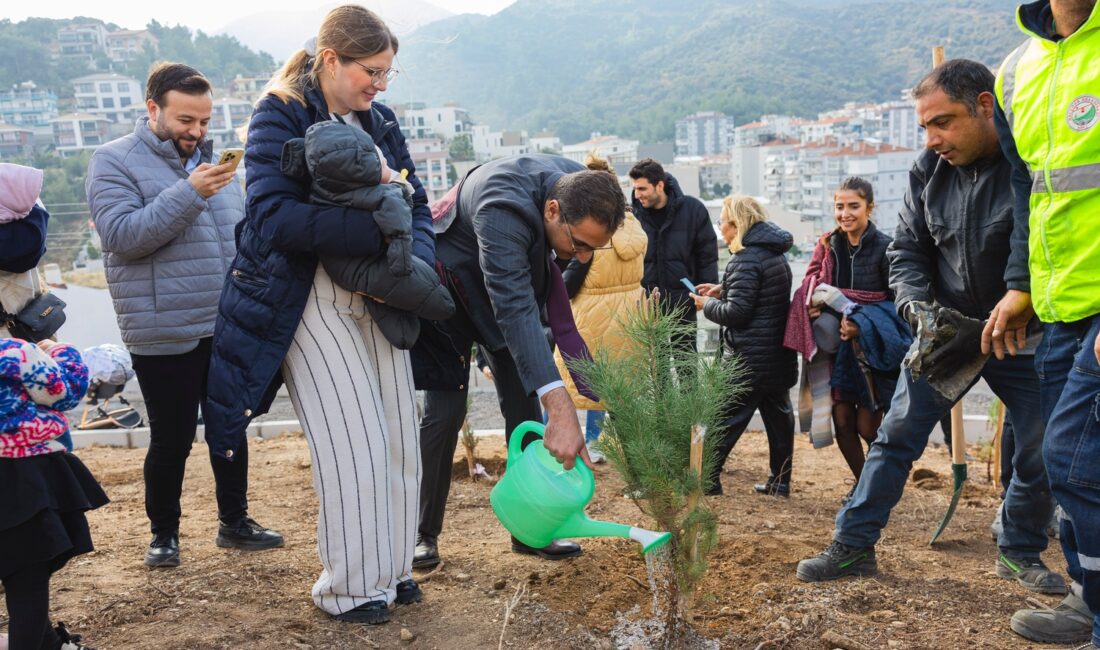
{"points": [[44, 490]]}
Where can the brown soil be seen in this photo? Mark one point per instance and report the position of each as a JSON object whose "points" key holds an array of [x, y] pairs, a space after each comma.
{"points": [[942, 597]]}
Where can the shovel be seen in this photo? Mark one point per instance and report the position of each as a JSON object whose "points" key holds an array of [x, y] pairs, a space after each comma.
{"points": [[958, 465]]}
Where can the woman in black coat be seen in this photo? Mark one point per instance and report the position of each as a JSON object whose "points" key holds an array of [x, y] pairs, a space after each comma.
{"points": [[751, 306]]}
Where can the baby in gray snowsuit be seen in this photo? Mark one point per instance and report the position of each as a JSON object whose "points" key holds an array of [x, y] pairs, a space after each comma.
{"points": [[347, 169]]}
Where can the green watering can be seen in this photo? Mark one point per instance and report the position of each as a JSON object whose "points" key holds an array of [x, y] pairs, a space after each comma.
{"points": [[538, 501]]}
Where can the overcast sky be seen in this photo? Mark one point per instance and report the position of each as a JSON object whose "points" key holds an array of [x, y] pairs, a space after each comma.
{"points": [[207, 15]]}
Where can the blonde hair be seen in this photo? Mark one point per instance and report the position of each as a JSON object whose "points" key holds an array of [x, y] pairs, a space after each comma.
{"points": [[351, 31], [593, 161], [743, 212]]}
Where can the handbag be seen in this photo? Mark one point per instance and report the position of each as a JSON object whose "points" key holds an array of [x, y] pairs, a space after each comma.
{"points": [[39, 319]]}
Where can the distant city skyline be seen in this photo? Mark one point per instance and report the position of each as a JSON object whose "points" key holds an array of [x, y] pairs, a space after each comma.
{"points": [[211, 16]]}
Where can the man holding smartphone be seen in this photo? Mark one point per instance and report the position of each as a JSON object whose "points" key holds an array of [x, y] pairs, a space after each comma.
{"points": [[166, 217]]}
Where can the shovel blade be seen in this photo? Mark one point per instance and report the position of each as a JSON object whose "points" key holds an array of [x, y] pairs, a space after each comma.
{"points": [[958, 473]]}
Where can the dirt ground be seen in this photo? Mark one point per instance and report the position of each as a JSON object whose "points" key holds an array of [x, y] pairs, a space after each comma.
{"points": [[942, 597]]}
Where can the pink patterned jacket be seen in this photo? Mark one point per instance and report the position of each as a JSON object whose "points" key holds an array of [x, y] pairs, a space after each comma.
{"points": [[36, 389]]}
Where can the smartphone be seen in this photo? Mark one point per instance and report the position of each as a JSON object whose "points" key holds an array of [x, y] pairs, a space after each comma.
{"points": [[232, 156], [690, 287]]}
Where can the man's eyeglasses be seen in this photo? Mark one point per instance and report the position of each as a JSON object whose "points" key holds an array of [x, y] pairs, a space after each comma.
{"points": [[581, 247], [378, 76]]}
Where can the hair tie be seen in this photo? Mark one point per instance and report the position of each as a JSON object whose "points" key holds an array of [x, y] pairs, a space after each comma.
{"points": [[310, 46]]}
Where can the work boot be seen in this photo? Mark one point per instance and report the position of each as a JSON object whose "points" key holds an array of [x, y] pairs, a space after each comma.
{"points": [[837, 561], [1031, 573], [1069, 622]]}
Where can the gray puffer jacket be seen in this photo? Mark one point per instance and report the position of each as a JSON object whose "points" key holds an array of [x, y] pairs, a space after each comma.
{"points": [[345, 170], [167, 249]]}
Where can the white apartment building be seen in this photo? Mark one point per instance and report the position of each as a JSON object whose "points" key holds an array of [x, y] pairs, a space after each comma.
{"points": [[419, 121], [902, 128], [620, 152], [110, 95], [74, 132], [27, 105], [248, 88], [704, 134], [489, 145], [127, 44], [767, 128], [229, 116], [430, 158], [81, 42], [545, 141]]}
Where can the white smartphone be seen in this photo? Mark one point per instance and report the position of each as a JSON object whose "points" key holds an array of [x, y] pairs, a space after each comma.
{"points": [[233, 156]]}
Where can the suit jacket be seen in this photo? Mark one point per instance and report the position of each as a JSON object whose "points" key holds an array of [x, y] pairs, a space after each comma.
{"points": [[495, 255]]}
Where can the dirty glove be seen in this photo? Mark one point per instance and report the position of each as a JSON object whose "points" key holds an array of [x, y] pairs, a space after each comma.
{"points": [[916, 312], [826, 295], [956, 357]]}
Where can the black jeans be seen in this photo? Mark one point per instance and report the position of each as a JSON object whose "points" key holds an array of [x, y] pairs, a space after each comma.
{"points": [[174, 388], [444, 411], [775, 409]]}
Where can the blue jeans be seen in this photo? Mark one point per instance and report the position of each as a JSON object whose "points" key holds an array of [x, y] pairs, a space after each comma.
{"points": [[593, 420], [1070, 380], [903, 435]]}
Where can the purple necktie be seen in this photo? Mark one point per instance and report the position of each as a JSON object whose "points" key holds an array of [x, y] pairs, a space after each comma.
{"points": [[564, 328]]}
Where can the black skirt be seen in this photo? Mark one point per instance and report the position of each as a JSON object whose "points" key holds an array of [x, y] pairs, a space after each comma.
{"points": [[42, 504]]}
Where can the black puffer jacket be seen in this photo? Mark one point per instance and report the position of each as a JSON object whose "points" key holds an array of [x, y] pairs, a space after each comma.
{"points": [[870, 267], [756, 294], [683, 245]]}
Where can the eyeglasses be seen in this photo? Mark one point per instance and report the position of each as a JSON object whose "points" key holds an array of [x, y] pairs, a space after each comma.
{"points": [[378, 76], [581, 247]]}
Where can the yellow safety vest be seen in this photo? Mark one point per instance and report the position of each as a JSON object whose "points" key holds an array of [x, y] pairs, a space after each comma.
{"points": [[1050, 93]]}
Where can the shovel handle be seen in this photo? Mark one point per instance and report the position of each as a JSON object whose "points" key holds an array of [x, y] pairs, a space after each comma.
{"points": [[958, 435]]}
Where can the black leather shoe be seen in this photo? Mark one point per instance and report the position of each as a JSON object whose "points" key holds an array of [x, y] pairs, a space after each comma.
{"points": [[163, 551], [408, 592], [247, 535], [557, 550], [426, 554], [773, 488], [374, 612]]}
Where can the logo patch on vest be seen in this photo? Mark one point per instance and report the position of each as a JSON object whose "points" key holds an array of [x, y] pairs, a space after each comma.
{"points": [[1083, 113]]}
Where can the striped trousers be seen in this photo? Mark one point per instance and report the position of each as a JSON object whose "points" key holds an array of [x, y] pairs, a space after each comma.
{"points": [[353, 393]]}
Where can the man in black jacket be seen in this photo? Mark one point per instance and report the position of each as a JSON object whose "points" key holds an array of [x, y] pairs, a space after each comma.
{"points": [[682, 241], [954, 247], [512, 217]]}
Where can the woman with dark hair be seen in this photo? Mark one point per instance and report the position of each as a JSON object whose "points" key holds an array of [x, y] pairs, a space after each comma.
{"points": [[280, 313], [849, 266]]}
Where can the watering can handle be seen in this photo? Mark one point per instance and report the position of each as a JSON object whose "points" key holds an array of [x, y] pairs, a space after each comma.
{"points": [[515, 443]]}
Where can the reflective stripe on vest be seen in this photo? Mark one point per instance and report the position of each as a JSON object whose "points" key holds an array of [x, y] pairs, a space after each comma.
{"points": [[1008, 82], [1069, 179]]}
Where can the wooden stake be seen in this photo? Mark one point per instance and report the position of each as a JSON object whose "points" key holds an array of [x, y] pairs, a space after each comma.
{"points": [[937, 56], [997, 436], [691, 535]]}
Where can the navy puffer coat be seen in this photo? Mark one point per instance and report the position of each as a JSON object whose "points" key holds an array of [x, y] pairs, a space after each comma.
{"points": [[277, 247]]}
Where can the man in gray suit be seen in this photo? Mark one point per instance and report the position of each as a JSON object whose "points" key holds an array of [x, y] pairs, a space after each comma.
{"points": [[511, 218], [166, 217]]}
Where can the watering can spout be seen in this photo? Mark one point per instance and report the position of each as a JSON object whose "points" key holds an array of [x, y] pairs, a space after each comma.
{"points": [[581, 526]]}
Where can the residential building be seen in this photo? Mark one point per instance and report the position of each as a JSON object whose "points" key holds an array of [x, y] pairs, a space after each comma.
{"points": [[715, 179], [16, 141], [767, 128], [489, 145], [704, 134], [27, 105], [662, 152], [429, 155], [748, 165], [74, 132], [248, 88], [82, 42], [620, 152], [228, 117], [127, 44], [545, 141], [902, 128], [419, 121], [110, 95]]}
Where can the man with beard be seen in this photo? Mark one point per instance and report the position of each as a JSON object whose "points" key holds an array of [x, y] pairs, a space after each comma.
{"points": [[166, 217]]}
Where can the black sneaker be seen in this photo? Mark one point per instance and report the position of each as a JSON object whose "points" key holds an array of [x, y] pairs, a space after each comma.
{"points": [[408, 592], [69, 641], [837, 561], [773, 488], [247, 535], [374, 612], [163, 551]]}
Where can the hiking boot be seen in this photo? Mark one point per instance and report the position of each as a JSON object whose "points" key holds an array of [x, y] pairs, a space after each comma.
{"points": [[408, 592], [837, 561], [374, 612], [163, 551], [1069, 622], [247, 535], [1031, 573]]}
